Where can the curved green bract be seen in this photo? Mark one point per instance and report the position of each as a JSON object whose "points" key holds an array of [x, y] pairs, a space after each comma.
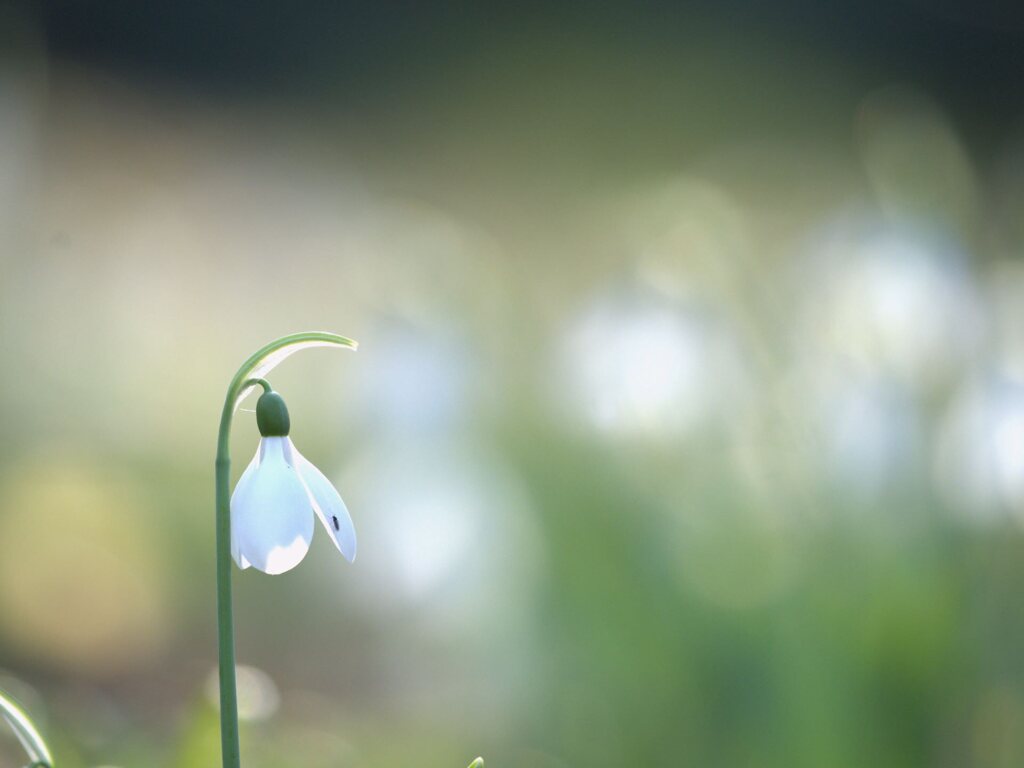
{"points": [[264, 360], [478, 763], [250, 375], [26, 732]]}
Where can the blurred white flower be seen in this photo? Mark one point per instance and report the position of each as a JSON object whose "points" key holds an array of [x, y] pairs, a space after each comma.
{"points": [[273, 504], [979, 462], [648, 366], [1004, 296], [452, 528], [890, 302], [870, 430]]}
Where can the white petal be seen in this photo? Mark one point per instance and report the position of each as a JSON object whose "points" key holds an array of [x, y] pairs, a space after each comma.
{"points": [[328, 505], [243, 489], [270, 511]]}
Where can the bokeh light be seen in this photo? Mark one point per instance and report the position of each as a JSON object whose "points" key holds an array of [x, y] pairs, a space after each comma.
{"points": [[980, 460], [891, 302], [648, 366]]}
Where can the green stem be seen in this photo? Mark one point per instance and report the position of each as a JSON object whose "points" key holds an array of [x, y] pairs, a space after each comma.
{"points": [[225, 619], [248, 376], [257, 383]]}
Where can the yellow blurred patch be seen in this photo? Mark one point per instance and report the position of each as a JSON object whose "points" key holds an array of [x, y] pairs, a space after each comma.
{"points": [[82, 580]]}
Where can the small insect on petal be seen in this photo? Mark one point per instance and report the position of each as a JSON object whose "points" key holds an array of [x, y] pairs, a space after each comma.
{"points": [[327, 504]]}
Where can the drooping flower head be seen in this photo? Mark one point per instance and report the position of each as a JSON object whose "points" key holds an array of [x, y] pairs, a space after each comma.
{"points": [[273, 505]]}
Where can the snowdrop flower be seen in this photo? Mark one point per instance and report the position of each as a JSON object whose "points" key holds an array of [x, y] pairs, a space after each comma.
{"points": [[273, 504]]}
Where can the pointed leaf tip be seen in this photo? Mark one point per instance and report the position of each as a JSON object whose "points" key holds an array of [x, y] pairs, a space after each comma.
{"points": [[478, 763], [26, 731]]}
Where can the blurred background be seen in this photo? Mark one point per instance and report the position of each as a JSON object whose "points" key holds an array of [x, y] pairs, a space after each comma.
{"points": [[687, 427]]}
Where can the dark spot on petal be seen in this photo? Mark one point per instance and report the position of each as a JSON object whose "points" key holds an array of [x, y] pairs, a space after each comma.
{"points": [[335, 519]]}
